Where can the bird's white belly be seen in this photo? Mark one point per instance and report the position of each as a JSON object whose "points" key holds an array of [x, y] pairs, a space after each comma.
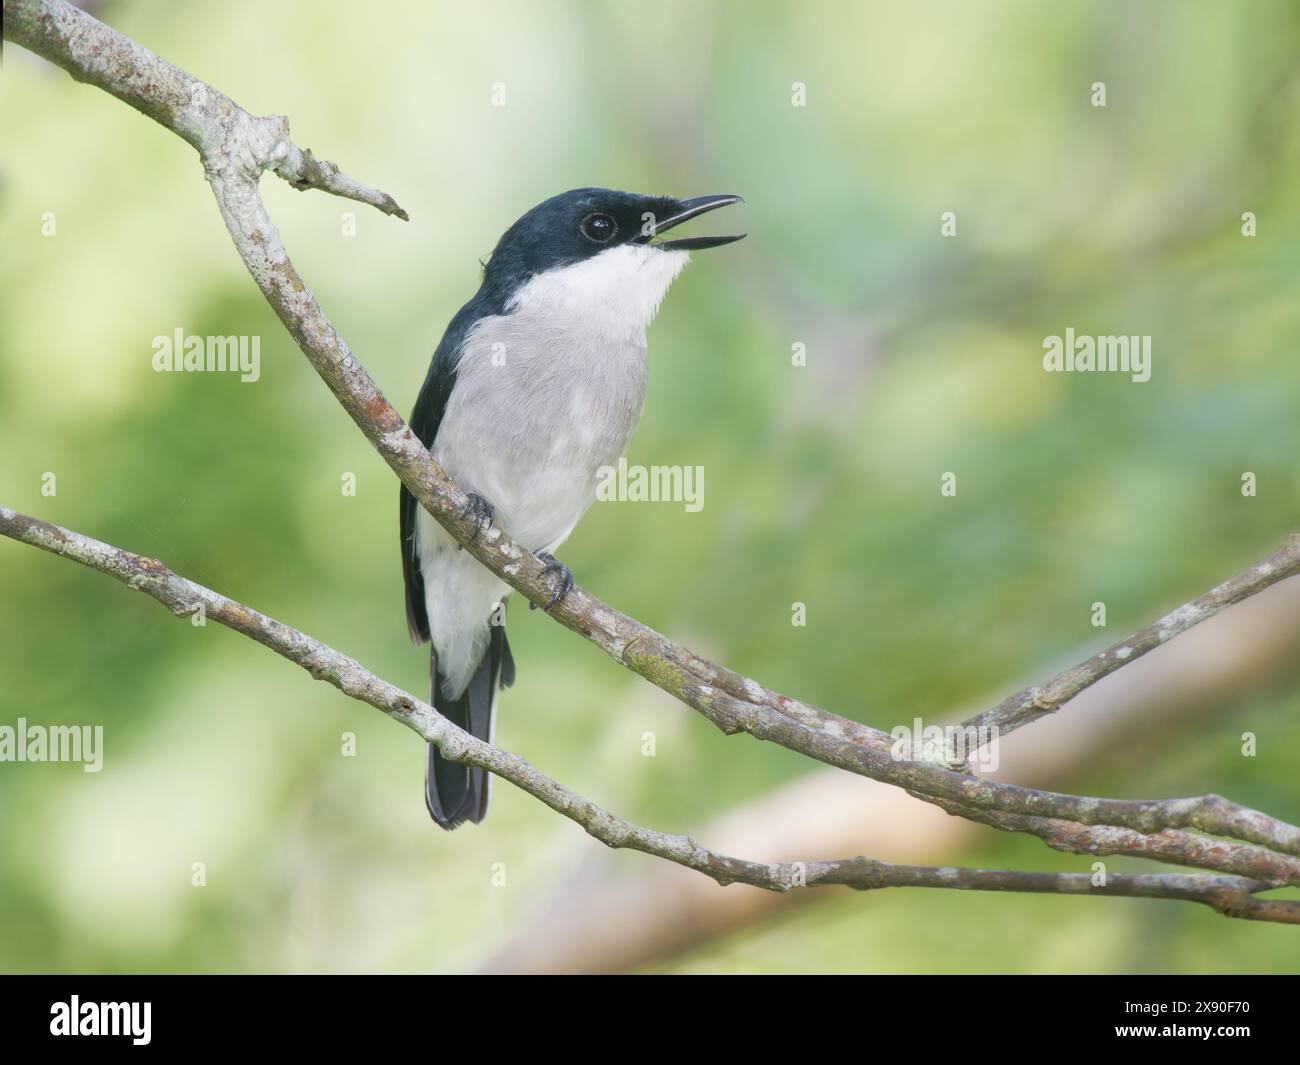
{"points": [[538, 495], [537, 410]]}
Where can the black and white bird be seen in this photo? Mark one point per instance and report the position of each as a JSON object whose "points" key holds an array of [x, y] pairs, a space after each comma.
{"points": [[537, 384]]}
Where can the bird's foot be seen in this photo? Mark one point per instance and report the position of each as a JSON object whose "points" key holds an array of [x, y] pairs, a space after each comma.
{"points": [[561, 580], [481, 511]]}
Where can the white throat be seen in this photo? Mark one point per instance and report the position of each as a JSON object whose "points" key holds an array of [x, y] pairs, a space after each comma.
{"points": [[617, 291]]}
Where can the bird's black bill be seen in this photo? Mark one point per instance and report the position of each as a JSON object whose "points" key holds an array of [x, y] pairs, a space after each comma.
{"points": [[692, 209]]}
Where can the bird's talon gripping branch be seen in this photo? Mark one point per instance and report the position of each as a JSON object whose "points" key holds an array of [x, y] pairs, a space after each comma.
{"points": [[561, 580], [481, 511]]}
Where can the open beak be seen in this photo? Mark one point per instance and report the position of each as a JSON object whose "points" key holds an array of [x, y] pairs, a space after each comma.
{"points": [[690, 209]]}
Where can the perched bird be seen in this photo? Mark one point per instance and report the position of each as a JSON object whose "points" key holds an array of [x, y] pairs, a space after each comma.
{"points": [[537, 384]]}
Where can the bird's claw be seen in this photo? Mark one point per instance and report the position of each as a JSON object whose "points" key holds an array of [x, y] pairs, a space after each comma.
{"points": [[481, 511], [562, 580]]}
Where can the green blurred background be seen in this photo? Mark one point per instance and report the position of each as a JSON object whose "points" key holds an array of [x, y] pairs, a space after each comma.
{"points": [[924, 356]]}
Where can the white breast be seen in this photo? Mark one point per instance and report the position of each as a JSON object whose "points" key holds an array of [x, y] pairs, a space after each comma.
{"points": [[545, 395]]}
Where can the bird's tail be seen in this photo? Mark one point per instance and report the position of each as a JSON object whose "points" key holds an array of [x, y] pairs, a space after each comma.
{"points": [[456, 793]]}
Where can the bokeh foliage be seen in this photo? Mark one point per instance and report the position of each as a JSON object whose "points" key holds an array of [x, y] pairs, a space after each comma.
{"points": [[822, 482]]}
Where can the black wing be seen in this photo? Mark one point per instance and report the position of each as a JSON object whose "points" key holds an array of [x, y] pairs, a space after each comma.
{"points": [[430, 406]]}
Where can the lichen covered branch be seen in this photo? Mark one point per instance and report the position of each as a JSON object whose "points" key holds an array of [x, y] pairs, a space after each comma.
{"points": [[1235, 896], [237, 147]]}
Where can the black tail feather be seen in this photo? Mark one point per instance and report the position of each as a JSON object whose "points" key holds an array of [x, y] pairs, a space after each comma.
{"points": [[456, 793]]}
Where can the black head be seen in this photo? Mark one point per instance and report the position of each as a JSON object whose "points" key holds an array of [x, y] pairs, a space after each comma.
{"points": [[582, 223]]}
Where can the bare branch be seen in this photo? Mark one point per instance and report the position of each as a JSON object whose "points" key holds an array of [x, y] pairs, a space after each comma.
{"points": [[1167, 845], [224, 134], [1032, 703], [236, 147], [1233, 896]]}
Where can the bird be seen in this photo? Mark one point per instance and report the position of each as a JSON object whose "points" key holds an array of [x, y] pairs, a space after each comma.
{"points": [[537, 384]]}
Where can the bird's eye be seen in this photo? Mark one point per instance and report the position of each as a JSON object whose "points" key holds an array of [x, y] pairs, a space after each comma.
{"points": [[598, 227]]}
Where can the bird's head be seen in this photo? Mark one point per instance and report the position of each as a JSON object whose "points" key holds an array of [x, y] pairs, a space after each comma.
{"points": [[600, 247]]}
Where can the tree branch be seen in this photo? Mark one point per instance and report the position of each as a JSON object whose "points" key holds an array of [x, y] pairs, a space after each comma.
{"points": [[1233, 896], [237, 147], [223, 133], [1029, 705]]}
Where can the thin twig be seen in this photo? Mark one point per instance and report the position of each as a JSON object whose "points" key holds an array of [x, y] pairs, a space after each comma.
{"points": [[1029, 705]]}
